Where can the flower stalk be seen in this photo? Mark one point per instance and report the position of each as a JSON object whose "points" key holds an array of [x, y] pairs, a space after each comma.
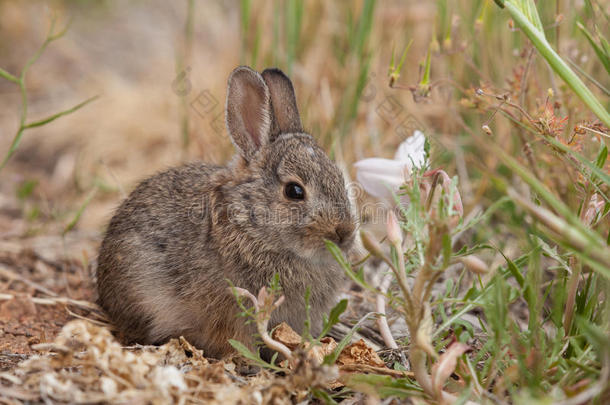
{"points": [[263, 307]]}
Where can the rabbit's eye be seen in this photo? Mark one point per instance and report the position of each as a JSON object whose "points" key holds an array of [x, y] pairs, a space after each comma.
{"points": [[294, 191]]}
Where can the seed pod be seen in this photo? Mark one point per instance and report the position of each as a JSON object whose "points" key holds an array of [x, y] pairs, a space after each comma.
{"points": [[371, 244], [393, 229], [475, 264]]}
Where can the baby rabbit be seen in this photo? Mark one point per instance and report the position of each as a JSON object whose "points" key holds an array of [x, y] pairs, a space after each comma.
{"points": [[175, 243]]}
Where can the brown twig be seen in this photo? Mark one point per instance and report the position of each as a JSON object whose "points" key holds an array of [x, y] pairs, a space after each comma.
{"points": [[11, 276], [55, 301]]}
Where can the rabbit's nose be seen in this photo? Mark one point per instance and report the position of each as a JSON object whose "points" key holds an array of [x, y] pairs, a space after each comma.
{"points": [[344, 232]]}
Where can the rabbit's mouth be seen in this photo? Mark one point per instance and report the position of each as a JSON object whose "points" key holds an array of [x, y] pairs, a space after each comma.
{"points": [[317, 250]]}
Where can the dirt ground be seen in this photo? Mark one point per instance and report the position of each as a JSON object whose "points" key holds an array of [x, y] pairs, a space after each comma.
{"points": [[35, 276]]}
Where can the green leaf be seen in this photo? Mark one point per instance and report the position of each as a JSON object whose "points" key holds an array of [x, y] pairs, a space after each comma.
{"points": [[243, 350], [248, 354], [594, 333], [403, 57], [333, 316], [425, 81], [528, 8], [363, 29], [514, 270], [599, 50], [26, 189], [358, 278], [323, 395], [383, 386], [601, 157]]}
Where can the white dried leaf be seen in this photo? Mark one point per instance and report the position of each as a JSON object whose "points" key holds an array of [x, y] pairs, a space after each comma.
{"points": [[257, 397], [169, 377], [109, 386]]}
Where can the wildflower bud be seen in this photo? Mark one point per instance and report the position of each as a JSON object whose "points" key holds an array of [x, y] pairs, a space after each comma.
{"points": [[393, 229], [371, 244], [486, 129], [467, 103], [550, 92], [474, 264], [478, 24], [447, 44]]}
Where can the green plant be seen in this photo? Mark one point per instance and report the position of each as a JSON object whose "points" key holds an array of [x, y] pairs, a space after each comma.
{"points": [[20, 81]]}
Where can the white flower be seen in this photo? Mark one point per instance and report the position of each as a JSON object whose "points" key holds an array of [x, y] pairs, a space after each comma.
{"points": [[412, 150], [383, 177]]}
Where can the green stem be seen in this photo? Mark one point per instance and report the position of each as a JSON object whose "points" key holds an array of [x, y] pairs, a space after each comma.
{"points": [[53, 117], [6, 75], [20, 81]]}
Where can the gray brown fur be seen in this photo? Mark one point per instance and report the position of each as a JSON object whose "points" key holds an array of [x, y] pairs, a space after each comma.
{"points": [[181, 234]]}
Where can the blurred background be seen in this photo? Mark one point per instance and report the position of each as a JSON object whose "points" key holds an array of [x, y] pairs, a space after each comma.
{"points": [[159, 70]]}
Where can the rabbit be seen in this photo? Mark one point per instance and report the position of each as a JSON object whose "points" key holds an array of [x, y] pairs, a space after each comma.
{"points": [[183, 236]]}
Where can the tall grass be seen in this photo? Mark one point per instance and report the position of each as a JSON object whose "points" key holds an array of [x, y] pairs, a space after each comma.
{"points": [[536, 170]]}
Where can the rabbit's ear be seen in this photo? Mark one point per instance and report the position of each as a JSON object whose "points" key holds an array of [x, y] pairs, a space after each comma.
{"points": [[283, 103], [248, 111]]}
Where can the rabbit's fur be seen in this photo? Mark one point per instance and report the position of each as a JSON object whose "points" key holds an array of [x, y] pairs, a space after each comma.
{"points": [[172, 246]]}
